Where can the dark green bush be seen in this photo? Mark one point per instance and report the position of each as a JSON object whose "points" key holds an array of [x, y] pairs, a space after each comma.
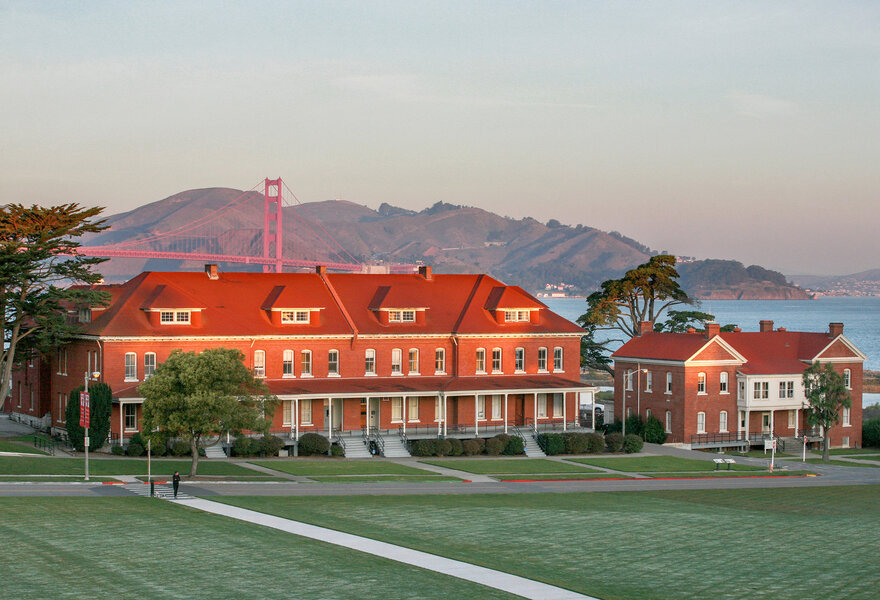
{"points": [[100, 406], [871, 433], [632, 443], [595, 443], [614, 442], [245, 446], [654, 433], [515, 445], [336, 450], [424, 447], [614, 427], [117, 450], [270, 445], [635, 425], [180, 448], [313, 444], [456, 448], [551, 443], [134, 449], [495, 446], [444, 447], [471, 447], [575, 442]]}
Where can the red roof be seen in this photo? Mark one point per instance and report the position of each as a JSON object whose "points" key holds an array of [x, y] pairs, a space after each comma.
{"points": [[237, 304]]}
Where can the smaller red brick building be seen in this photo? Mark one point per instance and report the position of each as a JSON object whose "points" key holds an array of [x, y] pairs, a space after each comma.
{"points": [[713, 389]]}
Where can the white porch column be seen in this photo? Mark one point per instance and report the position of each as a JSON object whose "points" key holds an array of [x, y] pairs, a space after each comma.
{"points": [[368, 416], [536, 412], [748, 415], [403, 410], [121, 421], [476, 415], [439, 411], [445, 428], [564, 412], [771, 421], [505, 413], [296, 418], [330, 419]]}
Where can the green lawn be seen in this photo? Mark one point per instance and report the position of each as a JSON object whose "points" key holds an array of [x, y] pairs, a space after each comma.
{"points": [[146, 548], [382, 478], [52, 478], [528, 476], [25, 465], [841, 463], [312, 466], [754, 454], [664, 544], [647, 464], [726, 473], [848, 451], [11, 446], [509, 465]]}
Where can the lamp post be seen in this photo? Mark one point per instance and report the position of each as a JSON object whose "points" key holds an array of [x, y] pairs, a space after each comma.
{"points": [[85, 414]]}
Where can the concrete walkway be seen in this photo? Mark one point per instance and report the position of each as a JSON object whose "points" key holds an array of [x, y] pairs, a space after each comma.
{"points": [[511, 584], [413, 462]]}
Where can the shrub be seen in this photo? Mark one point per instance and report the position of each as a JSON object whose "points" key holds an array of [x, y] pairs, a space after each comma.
{"points": [[632, 443], [471, 447], [270, 445], [336, 450], [654, 432], [635, 425], [313, 443], [444, 447], [575, 442], [180, 448], [515, 445], [503, 437], [100, 407], [456, 448], [424, 447], [134, 449], [614, 442], [245, 446], [614, 427], [495, 446], [595, 443], [871, 433], [117, 450], [551, 443]]}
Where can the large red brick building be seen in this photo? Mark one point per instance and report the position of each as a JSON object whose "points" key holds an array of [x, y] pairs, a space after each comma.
{"points": [[416, 354], [711, 389]]}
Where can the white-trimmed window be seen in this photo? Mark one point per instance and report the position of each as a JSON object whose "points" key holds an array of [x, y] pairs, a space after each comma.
{"points": [[722, 421], [519, 360], [542, 406], [846, 415], [305, 412], [62, 361], [286, 412], [496, 407], [259, 363], [174, 317], [792, 419], [628, 379], [668, 382], [287, 364], [762, 390], [131, 366], [305, 363], [845, 441], [397, 410], [481, 360], [440, 361], [401, 316], [295, 316], [542, 360], [701, 383], [85, 314], [649, 381], [333, 363], [722, 382], [413, 361], [396, 361], [741, 390], [648, 413], [514, 316], [786, 389], [481, 408], [149, 364], [557, 359], [60, 406], [130, 417], [412, 411], [847, 378], [370, 361], [496, 360], [701, 422], [557, 405]]}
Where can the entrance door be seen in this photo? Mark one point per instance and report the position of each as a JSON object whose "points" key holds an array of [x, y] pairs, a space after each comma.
{"points": [[519, 410], [374, 403], [765, 422]]}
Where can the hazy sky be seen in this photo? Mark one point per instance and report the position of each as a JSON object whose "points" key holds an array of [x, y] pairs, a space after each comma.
{"points": [[747, 130]]}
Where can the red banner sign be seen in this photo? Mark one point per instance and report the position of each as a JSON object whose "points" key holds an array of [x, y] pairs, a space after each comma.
{"points": [[83, 409]]}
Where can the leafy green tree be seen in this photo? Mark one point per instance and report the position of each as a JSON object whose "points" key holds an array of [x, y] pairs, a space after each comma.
{"points": [[679, 321], [38, 269], [826, 393], [196, 397], [100, 406]]}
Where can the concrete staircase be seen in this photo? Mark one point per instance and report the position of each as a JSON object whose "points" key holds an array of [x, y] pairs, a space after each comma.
{"points": [[355, 448], [394, 447], [533, 450], [215, 451]]}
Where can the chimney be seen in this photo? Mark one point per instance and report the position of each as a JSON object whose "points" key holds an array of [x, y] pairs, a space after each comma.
{"points": [[712, 329], [646, 327], [691, 330], [321, 270], [211, 272], [835, 329], [425, 271], [766, 326], [781, 329]]}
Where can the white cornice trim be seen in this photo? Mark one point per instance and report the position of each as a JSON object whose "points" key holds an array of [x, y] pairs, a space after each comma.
{"points": [[301, 336], [848, 344], [649, 361], [720, 341]]}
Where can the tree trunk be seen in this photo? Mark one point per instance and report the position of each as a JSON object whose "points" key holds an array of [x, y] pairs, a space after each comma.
{"points": [[194, 447], [826, 443]]}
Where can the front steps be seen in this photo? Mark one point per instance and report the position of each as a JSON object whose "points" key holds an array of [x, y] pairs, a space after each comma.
{"points": [[394, 447], [533, 450], [215, 451], [355, 448]]}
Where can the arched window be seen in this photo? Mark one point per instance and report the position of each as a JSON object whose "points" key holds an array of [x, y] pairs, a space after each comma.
{"points": [[413, 361], [287, 363], [131, 367], [149, 364], [648, 414], [668, 421], [481, 360], [628, 378], [333, 363], [306, 363], [496, 360], [847, 378], [519, 360], [668, 382], [259, 363], [701, 383], [722, 421], [369, 361], [542, 360], [396, 361], [701, 422], [722, 382], [439, 361], [557, 359]]}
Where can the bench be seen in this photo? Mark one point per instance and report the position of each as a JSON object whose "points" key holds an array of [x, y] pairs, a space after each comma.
{"points": [[721, 461]]}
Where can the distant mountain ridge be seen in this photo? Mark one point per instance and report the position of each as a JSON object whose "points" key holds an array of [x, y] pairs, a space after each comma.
{"points": [[452, 238]]}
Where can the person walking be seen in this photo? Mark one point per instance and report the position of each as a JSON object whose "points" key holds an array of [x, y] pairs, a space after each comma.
{"points": [[175, 482]]}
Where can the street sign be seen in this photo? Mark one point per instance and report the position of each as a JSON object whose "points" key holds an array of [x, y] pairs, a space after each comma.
{"points": [[84, 409], [770, 444]]}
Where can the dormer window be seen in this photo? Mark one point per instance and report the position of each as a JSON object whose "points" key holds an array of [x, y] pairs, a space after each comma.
{"points": [[401, 316], [295, 316], [515, 316], [171, 317], [85, 315]]}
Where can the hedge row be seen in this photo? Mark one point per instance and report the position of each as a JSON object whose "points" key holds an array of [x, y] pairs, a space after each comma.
{"points": [[588, 443], [500, 444], [268, 445]]}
